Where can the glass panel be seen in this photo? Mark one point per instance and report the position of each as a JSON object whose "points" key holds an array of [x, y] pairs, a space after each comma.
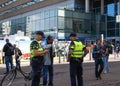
{"points": [[78, 26], [47, 14], [56, 12], [93, 28], [61, 13], [42, 15], [42, 25], [37, 25], [117, 32], [52, 13], [33, 26], [36, 16], [87, 26], [68, 13], [111, 33], [52, 22], [47, 24], [75, 14], [61, 23], [68, 23], [111, 24], [1, 30], [71, 6], [6, 27], [110, 10]]}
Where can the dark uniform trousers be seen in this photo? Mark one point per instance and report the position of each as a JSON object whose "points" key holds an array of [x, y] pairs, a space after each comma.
{"points": [[36, 64], [76, 72]]}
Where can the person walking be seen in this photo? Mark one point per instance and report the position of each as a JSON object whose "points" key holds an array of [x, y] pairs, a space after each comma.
{"points": [[17, 53], [117, 49], [37, 54], [48, 62], [97, 55], [75, 57], [7, 49], [106, 56]]}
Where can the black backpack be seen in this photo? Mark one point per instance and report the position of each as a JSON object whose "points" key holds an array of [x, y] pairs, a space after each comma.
{"points": [[19, 52], [110, 49], [10, 50]]}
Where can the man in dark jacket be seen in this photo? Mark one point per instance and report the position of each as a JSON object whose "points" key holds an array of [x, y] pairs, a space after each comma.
{"points": [[8, 55], [97, 55]]}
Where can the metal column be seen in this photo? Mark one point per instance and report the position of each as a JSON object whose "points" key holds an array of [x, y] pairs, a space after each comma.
{"points": [[102, 7], [87, 6]]}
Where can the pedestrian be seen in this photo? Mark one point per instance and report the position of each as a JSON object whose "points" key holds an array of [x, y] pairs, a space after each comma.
{"points": [[117, 50], [37, 54], [106, 56], [75, 57], [97, 55], [17, 54], [9, 51], [48, 62]]}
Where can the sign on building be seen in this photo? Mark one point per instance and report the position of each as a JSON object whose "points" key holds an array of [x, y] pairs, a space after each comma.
{"points": [[118, 18]]}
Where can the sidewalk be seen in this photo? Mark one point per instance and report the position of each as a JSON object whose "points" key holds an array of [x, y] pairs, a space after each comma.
{"points": [[87, 59]]}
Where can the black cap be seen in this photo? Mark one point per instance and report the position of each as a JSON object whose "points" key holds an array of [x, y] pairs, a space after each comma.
{"points": [[40, 33], [49, 37], [73, 34]]}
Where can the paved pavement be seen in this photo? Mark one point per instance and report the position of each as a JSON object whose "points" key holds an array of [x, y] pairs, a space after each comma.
{"points": [[61, 73]]}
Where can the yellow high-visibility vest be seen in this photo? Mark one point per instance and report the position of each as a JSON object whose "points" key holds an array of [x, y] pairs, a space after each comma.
{"points": [[77, 49], [32, 48]]}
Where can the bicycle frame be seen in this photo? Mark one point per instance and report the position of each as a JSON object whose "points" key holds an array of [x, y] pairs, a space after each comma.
{"points": [[10, 77]]}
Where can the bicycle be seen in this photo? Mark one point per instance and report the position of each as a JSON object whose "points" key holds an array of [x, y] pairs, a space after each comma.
{"points": [[10, 77]]}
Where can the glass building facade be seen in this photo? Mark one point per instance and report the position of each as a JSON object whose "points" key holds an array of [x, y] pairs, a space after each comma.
{"points": [[111, 10], [60, 21]]}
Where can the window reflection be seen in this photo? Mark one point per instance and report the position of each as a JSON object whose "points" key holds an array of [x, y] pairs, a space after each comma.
{"points": [[63, 21], [110, 10]]}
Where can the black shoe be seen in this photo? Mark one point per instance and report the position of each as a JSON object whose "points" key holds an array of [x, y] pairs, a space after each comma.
{"points": [[5, 72]]}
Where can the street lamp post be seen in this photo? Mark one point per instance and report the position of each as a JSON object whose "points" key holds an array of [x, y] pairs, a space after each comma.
{"points": [[119, 22]]}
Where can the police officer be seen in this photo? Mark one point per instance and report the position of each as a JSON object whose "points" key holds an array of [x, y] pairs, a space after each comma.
{"points": [[75, 56], [37, 54]]}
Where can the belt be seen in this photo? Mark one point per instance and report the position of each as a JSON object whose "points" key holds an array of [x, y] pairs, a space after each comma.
{"points": [[37, 58], [76, 59]]}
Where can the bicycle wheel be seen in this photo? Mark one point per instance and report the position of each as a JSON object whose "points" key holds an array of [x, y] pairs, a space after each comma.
{"points": [[27, 77], [8, 79]]}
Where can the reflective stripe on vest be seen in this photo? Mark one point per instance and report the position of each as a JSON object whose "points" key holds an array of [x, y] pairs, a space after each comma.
{"points": [[39, 49], [77, 49]]}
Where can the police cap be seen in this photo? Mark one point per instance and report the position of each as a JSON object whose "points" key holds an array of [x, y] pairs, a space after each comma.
{"points": [[73, 34], [40, 33]]}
